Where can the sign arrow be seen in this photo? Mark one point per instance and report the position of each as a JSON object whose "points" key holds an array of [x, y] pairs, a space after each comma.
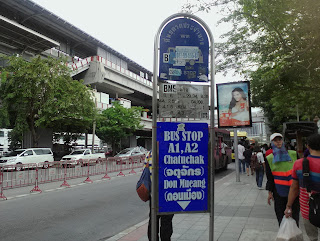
{"points": [[184, 204]]}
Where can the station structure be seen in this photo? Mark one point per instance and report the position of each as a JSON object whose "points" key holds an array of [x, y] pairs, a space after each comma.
{"points": [[28, 29]]}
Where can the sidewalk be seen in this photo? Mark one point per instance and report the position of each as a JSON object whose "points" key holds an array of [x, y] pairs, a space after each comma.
{"points": [[241, 213]]}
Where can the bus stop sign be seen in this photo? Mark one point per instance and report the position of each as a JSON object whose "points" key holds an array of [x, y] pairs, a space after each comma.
{"points": [[183, 167], [184, 51]]}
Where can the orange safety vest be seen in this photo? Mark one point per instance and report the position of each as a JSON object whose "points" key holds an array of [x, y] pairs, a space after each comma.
{"points": [[282, 173]]}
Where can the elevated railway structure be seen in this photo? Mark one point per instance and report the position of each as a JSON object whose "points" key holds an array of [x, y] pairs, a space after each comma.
{"points": [[28, 29]]}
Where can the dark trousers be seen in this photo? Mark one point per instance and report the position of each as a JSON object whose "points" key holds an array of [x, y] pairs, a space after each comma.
{"points": [[280, 204], [166, 229], [259, 175]]}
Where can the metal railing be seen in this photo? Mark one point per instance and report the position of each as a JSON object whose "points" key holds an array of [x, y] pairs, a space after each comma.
{"points": [[22, 175]]}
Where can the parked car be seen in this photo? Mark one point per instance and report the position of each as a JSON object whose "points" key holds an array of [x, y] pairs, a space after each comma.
{"points": [[82, 154], [27, 156], [125, 154], [132, 151]]}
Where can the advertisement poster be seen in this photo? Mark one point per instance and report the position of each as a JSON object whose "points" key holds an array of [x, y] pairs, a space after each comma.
{"points": [[183, 167], [233, 102], [184, 51]]}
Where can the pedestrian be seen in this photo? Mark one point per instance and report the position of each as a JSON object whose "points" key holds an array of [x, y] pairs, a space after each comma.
{"points": [[165, 221], [268, 150], [241, 158], [223, 147], [259, 166], [299, 185], [264, 149], [306, 152], [247, 158], [278, 171]]}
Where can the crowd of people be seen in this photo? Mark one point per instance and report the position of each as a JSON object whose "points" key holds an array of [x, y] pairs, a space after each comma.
{"points": [[286, 183]]}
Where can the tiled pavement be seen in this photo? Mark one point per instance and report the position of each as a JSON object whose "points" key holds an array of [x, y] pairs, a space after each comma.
{"points": [[241, 213]]}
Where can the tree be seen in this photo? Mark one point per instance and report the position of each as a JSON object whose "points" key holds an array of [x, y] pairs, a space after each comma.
{"points": [[42, 94], [275, 45], [118, 122]]}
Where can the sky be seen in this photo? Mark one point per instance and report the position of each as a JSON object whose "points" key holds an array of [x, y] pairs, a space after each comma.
{"points": [[129, 26]]}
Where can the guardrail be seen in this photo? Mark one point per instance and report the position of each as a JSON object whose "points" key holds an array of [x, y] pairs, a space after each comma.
{"points": [[22, 175], [84, 63]]}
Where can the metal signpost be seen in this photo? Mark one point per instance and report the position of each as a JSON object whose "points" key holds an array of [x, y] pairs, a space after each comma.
{"points": [[182, 177]]}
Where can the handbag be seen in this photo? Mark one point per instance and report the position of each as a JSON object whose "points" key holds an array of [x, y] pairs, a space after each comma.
{"points": [[143, 187], [314, 198], [289, 230]]}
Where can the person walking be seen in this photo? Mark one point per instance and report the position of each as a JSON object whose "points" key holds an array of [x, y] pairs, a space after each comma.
{"points": [[223, 147], [278, 171], [241, 158], [259, 166], [165, 221], [300, 186], [247, 156]]}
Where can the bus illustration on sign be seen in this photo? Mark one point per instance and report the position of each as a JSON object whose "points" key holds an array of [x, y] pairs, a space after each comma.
{"points": [[184, 52], [186, 57]]}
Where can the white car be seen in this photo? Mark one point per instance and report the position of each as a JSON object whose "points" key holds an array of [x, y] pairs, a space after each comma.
{"points": [[76, 156], [27, 156]]}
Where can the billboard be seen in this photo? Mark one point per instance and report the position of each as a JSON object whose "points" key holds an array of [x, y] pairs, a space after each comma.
{"points": [[184, 51], [233, 104]]}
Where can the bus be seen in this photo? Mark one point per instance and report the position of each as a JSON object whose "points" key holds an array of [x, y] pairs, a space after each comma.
{"points": [[222, 160], [297, 132]]}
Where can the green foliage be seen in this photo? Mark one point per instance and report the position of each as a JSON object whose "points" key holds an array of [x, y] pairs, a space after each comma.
{"points": [[118, 122], [15, 139], [42, 94], [275, 45]]}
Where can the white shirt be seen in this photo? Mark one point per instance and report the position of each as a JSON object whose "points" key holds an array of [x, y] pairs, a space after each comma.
{"points": [[223, 146], [241, 150], [260, 157]]}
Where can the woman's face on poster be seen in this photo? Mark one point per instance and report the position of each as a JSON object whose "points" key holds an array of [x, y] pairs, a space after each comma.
{"points": [[237, 95]]}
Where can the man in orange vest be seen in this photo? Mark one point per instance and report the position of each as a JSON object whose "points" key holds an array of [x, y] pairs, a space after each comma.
{"points": [[278, 171]]}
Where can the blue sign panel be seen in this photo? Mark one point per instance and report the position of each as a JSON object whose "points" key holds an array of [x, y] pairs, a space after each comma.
{"points": [[183, 167], [184, 51]]}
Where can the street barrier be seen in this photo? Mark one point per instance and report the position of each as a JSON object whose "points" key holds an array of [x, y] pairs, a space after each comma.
{"points": [[65, 183], [22, 175], [88, 164], [120, 163], [1, 185], [36, 184], [106, 176]]}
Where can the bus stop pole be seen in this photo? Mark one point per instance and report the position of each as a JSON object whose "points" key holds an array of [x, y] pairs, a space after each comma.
{"points": [[212, 139], [155, 164], [235, 147]]}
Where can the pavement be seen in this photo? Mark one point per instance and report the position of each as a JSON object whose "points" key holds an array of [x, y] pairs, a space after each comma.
{"points": [[241, 213]]}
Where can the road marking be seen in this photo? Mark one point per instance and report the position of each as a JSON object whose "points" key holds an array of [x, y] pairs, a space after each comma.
{"points": [[22, 195]]}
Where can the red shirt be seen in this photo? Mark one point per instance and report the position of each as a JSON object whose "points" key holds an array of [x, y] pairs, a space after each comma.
{"points": [[314, 165], [268, 152]]}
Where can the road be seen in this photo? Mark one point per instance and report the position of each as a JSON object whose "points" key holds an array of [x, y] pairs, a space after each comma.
{"points": [[84, 212]]}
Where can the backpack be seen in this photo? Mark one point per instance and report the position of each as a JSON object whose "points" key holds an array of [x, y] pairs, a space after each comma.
{"points": [[314, 198], [143, 187], [254, 161]]}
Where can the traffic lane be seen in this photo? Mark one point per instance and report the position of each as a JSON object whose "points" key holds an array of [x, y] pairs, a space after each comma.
{"points": [[88, 212]]}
